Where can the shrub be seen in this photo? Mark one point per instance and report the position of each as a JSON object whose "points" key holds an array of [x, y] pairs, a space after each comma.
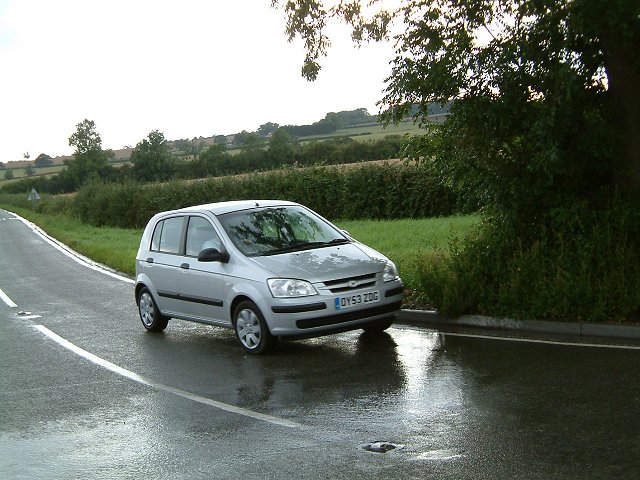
{"points": [[584, 265], [362, 192]]}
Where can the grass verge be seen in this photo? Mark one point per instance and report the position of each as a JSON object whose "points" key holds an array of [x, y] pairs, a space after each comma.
{"points": [[113, 247], [407, 242]]}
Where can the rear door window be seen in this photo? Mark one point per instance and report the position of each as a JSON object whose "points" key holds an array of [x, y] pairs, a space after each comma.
{"points": [[167, 235]]}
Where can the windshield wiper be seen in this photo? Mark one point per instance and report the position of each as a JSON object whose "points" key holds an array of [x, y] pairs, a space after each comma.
{"points": [[338, 241], [301, 246]]}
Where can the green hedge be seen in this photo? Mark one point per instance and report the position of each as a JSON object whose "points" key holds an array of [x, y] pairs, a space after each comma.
{"points": [[584, 265], [367, 191]]}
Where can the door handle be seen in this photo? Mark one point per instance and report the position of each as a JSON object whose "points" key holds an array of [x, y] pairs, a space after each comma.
{"points": [[186, 266], [150, 260]]}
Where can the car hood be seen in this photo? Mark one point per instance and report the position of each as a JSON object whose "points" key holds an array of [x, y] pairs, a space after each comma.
{"points": [[328, 263]]}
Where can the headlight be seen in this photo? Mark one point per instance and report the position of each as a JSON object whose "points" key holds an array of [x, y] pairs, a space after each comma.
{"points": [[390, 272], [287, 288]]}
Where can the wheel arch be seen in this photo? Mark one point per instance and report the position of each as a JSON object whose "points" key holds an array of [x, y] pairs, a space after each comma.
{"points": [[237, 301], [139, 286], [234, 304]]}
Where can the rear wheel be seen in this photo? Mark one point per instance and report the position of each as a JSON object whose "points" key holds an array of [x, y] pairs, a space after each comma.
{"points": [[151, 317], [251, 329]]}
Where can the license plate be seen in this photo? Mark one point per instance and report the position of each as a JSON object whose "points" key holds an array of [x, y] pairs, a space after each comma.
{"points": [[357, 299]]}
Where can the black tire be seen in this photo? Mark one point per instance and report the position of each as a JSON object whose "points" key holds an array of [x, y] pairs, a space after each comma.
{"points": [[379, 325], [251, 329], [150, 316]]}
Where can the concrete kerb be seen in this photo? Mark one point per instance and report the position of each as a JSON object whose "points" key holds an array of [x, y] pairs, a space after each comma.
{"points": [[582, 329]]}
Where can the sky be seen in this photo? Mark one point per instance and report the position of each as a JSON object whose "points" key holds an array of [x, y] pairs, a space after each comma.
{"points": [[187, 68]]}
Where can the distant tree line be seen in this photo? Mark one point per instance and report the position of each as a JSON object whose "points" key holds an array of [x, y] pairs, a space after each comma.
{"points": [[155, 159]]}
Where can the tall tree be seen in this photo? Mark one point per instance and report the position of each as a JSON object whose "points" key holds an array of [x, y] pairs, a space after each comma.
{"points": [[280, 149], [543, 129], [89, 159], [250, 142], [547, 92], [152, 159], [43, 160], [267, 129]]}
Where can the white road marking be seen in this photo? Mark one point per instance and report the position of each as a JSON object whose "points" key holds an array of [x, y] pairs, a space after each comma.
{"points": [[546, 342], [159, 386], [5, 298], [82, 260]]}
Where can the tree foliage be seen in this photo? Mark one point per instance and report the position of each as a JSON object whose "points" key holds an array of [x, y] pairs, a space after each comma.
{"points": [[547, 104], [43, 160], [267, 129], [89, 159], [544, 129], [152, 159], [85, 139], [280, 148]]}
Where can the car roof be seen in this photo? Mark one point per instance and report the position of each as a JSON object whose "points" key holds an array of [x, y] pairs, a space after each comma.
{"points": [[220, 208]]}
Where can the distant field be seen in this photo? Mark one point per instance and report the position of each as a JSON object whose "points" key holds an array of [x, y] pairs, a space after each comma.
{"points": [[20, 173], [367, 133], [363, 133], [380, 131]]}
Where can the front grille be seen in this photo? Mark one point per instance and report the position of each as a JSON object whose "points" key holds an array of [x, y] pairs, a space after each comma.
{"points": [[350, 283]]}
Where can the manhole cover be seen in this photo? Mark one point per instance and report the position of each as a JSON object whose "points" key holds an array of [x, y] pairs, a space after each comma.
{"points": [[380, 447]]}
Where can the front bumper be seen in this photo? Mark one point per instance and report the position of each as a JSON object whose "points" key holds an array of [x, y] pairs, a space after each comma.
{"points": [[318, 314]]}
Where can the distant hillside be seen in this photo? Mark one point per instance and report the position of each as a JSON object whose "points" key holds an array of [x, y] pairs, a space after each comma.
{"points": [[325, 128]]}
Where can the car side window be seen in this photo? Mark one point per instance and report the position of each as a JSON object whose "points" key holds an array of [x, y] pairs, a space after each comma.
{"points": [[166, 236], [201, 235]]}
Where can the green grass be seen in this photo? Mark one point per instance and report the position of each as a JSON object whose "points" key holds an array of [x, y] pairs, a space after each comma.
{"points": [[405, 241], [21, 173], [113, 247], [378, 132]]}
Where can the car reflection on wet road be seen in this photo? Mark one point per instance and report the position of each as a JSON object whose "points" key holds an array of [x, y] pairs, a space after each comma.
{"points": [[455, 407]]}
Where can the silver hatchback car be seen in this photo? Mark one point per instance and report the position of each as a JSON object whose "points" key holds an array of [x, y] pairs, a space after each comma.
{"points": [[265, 268]]}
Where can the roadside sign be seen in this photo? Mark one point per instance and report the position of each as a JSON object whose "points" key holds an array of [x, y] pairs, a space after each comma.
{"points": [[33, 197]]}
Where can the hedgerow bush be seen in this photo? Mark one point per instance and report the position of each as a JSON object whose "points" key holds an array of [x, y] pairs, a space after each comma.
{"points": [[16, 199], [378, 191], [583, 266]]}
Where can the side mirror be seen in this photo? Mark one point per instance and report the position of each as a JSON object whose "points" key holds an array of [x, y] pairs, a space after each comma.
{"points": [[213, 255]]}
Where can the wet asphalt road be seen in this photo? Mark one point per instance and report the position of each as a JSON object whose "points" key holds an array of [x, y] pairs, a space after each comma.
{"points": [[85, 392]]}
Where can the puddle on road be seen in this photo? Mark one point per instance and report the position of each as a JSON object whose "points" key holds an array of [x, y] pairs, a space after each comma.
{"points": [[440, 455]]}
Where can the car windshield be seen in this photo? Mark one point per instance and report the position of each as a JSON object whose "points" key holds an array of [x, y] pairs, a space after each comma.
{"points": [[275, 230]]}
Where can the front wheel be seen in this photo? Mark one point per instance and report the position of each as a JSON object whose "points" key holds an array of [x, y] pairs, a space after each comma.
{"points": [[251, 329], [150, 315]]}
